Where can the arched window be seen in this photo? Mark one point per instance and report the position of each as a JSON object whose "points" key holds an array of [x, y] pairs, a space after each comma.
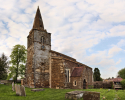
{"points": [[75, 83]]}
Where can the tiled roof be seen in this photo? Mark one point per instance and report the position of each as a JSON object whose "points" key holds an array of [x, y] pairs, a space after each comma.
{"points": [[77, 72], [117, 79]]}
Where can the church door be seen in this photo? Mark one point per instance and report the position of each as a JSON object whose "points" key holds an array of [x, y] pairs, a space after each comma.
{"points": [[84, 84]]}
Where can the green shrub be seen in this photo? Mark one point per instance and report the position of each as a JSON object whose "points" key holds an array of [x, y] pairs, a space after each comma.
{"points": [[123, 83]]}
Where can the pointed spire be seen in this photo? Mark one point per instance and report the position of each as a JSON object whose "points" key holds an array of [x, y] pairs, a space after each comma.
{"points": [[38, 22]]}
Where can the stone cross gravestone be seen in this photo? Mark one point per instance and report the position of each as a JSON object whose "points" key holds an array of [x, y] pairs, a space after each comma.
{"points": [[22, 89], [13, 88], [91, 95]]}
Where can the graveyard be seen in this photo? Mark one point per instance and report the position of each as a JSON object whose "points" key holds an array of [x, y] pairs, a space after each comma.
{"points": [[62, 50], [7, 93]]}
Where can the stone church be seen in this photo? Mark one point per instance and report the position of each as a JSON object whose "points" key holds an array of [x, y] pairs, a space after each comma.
{"points": [[48, 68]]}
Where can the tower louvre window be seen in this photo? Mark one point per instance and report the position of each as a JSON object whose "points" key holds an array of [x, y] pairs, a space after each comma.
{"points": [[42, 40], [68, 76]]}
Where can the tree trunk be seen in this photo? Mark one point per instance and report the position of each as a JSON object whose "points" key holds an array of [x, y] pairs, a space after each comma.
{"points": [[17, 71]]}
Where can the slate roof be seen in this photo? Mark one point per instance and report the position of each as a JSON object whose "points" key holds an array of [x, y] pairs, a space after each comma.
{"points": [[38, 22], [77, 72]]}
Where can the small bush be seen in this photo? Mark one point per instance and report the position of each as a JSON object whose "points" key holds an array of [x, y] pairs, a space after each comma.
{"points": [[123, 83]]}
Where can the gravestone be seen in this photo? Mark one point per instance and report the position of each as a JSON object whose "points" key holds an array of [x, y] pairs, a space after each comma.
{"points": [[13, 86], [22, 81], [74, 95], [57, 87], [91, 95], [16, 88], [36, 90], [22, 89], [18, 92]]}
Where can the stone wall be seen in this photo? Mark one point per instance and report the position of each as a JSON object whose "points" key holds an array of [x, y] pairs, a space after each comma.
{"points": [[87, 75], [70, 64], [6, 81], [78, 83], [38, 53], [57, 73], [58, 77], [41, 58], [30, 66], [101, 84]]}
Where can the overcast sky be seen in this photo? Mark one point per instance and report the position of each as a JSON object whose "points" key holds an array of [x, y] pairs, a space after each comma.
{"points": [[91, 31]]}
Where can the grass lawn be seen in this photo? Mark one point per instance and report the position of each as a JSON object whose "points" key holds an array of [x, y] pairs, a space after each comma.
{"points": [[6, 93]]}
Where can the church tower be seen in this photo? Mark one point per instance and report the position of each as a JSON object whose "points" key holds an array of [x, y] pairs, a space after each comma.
{"points": [[38, 54]]}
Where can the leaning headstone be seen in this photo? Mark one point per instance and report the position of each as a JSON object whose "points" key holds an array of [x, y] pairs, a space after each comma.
{"points": [[13, 86], [91, 96], [22, 89], [18, 92]]}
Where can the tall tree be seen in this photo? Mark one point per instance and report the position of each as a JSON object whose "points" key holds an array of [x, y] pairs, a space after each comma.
{"points": [[97, 75], [121, 73], [18, 58], [4, 63]]}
